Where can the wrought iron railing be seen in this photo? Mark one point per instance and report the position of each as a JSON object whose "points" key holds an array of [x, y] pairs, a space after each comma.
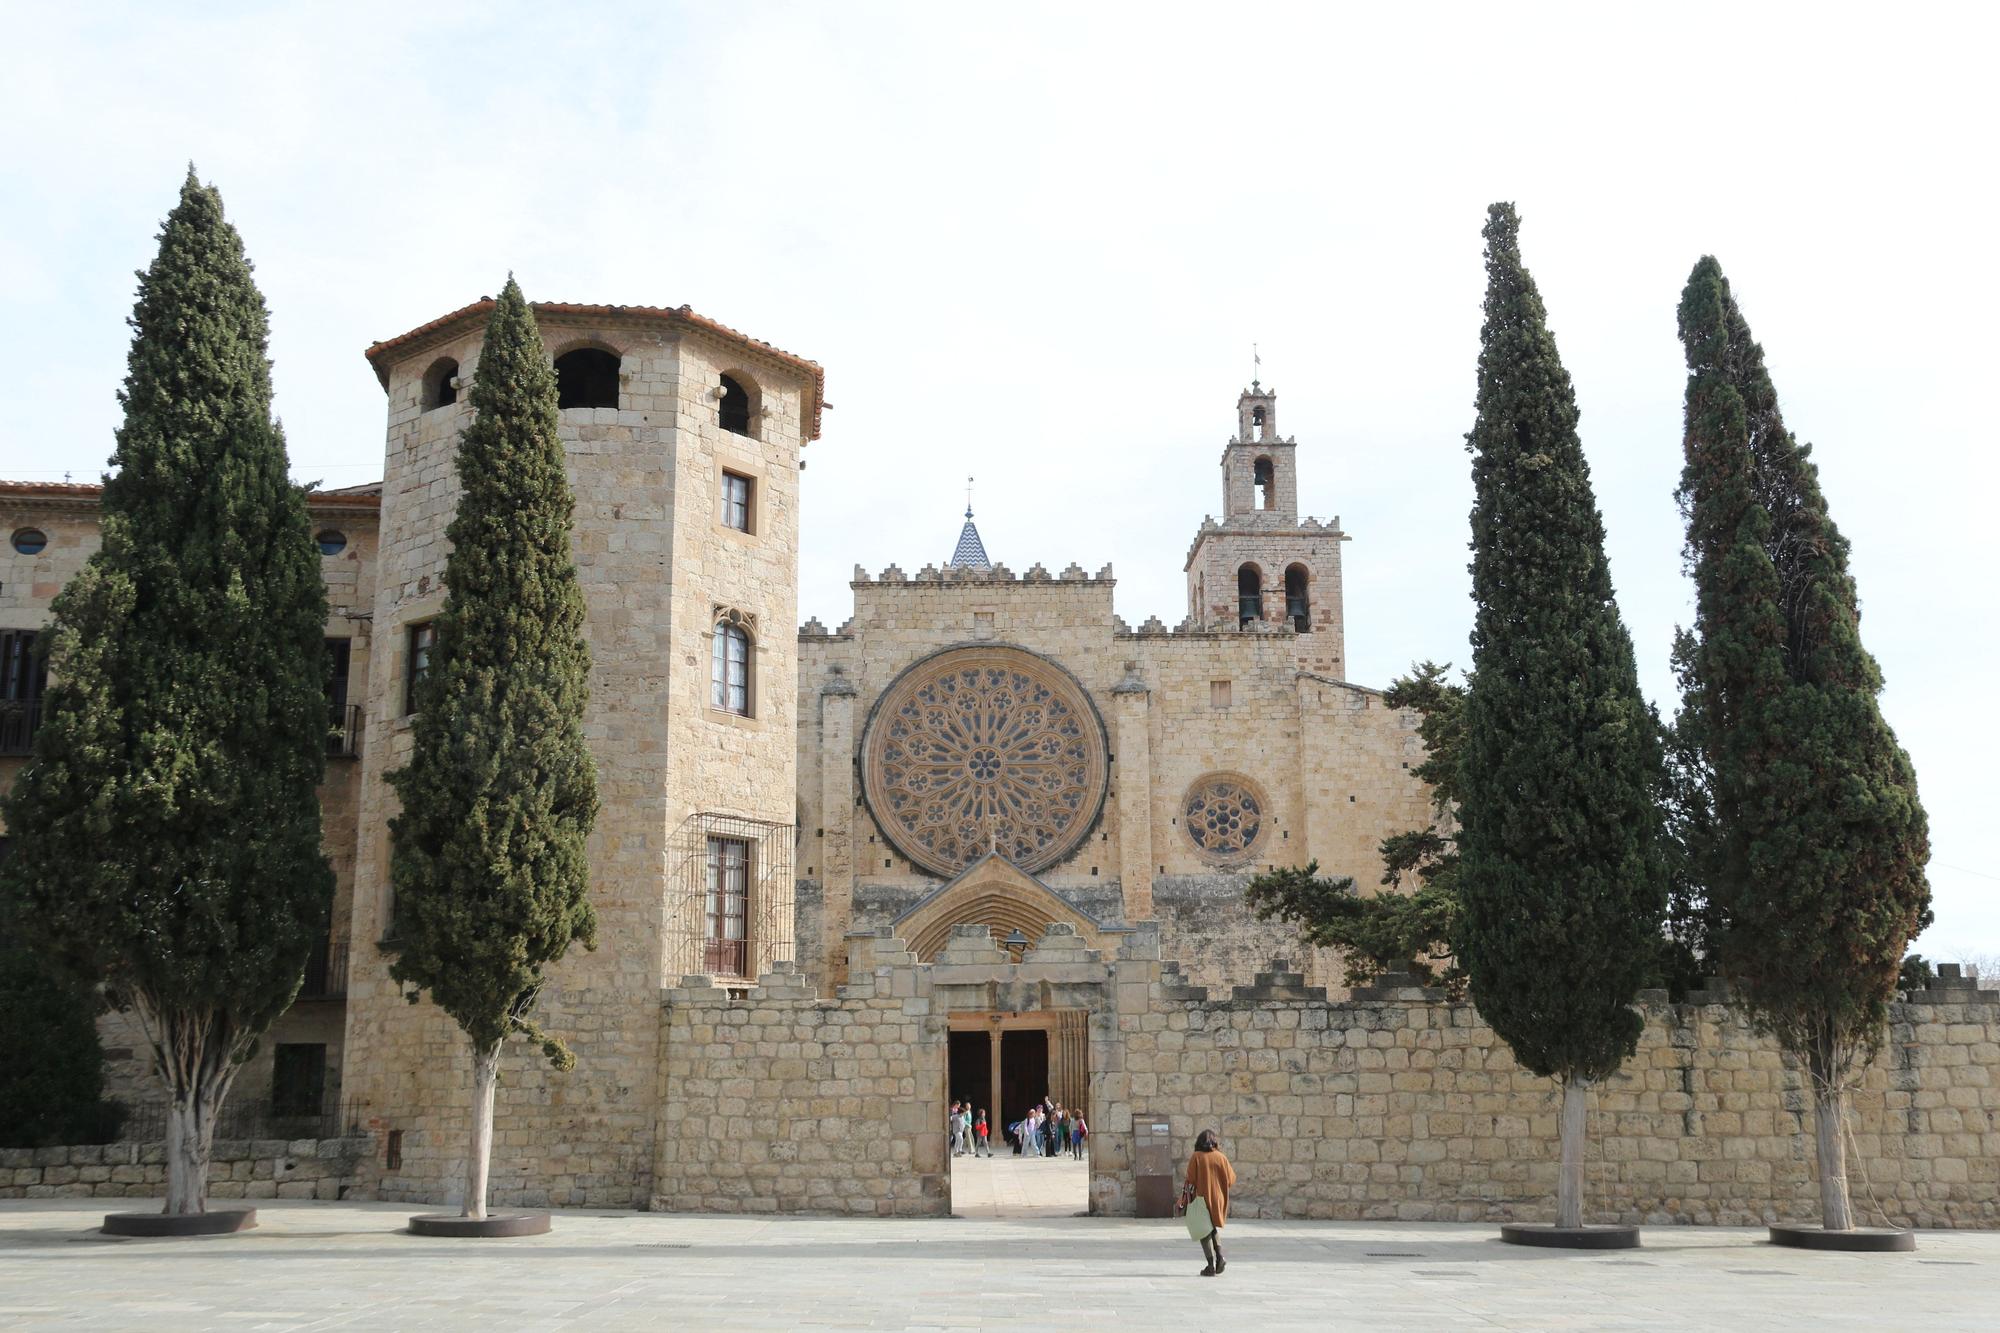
{"points": [[18, 718], [343, 739], [711, 858], [327, 1117], [326, 973]]}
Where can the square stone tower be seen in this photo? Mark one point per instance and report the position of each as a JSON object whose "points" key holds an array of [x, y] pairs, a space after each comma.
{"points": [[1262, 568], [684, 441]]}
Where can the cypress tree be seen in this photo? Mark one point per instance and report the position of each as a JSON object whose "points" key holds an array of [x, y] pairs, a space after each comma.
{"points": [[1562, 879], [51, 1061], [167, 832], [500, 793], [1820, 841]]}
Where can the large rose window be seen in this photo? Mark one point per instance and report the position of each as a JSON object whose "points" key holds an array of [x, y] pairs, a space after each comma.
{"points": [[984, 749]]}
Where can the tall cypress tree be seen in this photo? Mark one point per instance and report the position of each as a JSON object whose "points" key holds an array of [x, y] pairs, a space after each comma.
{"points": [[167, 832], [500, 793], [1819, 839], [1562, 878]]}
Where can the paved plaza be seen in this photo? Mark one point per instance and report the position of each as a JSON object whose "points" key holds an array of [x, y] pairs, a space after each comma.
{"points": [[1024, 1264]]}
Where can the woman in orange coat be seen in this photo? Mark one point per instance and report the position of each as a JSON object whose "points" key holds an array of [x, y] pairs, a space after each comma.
{"points": [[1210, 1177]]}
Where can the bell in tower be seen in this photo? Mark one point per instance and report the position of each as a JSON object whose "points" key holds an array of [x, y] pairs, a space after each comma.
{"points": [[1263, 568]]}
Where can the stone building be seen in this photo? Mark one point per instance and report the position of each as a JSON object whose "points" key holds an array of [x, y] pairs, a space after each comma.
{"points": [[984, 840], [978, 746]]}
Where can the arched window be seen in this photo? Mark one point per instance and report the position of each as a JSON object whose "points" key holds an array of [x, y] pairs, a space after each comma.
{"points": [[1249, 595], [1298, 606], [439, 387], [735, 411], [729, 667], [587, 377], [1261, 479]]}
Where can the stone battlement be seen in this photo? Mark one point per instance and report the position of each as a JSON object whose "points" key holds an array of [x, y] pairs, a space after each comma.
{"points": [[999, 573]]}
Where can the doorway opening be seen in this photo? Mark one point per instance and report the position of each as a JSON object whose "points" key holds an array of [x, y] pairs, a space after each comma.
{"points": [[1008, 1064]]}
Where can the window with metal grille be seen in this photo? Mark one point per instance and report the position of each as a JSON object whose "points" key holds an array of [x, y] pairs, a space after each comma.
{"points": [[23, 677], [345, 718], [736, 501], [298, 1078], [729, 669], [417, 663], [728, 906]]}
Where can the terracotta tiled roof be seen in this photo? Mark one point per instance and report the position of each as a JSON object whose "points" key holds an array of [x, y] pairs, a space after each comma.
{"points": [[379, 354], [366, 497]]}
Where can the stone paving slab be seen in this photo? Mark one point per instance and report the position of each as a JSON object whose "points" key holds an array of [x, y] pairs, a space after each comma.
{"points": [[346, 1266], [1008, 1186]]}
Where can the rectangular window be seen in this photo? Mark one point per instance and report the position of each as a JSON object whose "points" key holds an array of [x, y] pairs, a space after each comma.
{"points": [[1218, 694], [736, 501], [729, 669], [298, 1078], [23, 677], [728, 907], [345, 724], [417, 663]]}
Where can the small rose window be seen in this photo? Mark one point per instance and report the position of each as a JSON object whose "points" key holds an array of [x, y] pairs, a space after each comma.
{"points": [[1225, 816], [30, 541], [331, 542]]}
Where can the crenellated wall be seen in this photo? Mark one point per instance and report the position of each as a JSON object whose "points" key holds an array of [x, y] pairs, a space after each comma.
{"points": [[1392, 1105]]}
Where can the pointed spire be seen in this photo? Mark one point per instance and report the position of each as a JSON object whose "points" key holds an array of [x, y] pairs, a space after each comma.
{"points": [[970, 552]]}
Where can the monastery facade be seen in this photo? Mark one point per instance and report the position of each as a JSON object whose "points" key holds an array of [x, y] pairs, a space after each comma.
{"points": [[985, 840]]}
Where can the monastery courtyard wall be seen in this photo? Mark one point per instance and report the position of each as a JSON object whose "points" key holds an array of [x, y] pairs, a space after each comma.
{"points": [[1391, 1105]]}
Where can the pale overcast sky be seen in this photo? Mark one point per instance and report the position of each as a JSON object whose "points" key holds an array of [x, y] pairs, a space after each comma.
{"points": [[1035, 244]]}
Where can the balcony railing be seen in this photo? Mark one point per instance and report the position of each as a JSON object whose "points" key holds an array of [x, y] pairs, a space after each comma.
{"points": [[326, 973], [343, 741], [17, 725]]}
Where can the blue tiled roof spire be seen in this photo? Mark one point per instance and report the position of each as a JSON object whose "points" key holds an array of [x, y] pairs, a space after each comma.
{"points": [[971, 552]]}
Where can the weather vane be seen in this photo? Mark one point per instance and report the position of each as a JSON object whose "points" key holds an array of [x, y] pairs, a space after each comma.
{"points": [[1256, 367], [968, 497]]}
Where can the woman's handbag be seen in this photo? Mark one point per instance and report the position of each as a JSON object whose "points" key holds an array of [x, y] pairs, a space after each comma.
{"points": [[1198, 1223]]}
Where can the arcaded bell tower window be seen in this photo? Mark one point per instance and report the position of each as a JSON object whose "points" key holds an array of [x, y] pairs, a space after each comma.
{"points": [[587, 377], [735, 413], [1249, 595], [1298, 606]]}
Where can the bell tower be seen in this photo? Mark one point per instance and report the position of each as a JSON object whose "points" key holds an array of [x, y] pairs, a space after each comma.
{"points": [[1262, 568]]}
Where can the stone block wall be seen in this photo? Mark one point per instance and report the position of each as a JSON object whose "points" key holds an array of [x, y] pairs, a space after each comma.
{"points": [[1393, 1105], [239, 1169], [1404, 1107], [782, 1102]]}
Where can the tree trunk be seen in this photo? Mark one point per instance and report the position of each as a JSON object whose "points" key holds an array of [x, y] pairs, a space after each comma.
{"points": [[1569, 1183], [485, 1073], [1829, 1124], [193, 1056], [190, 1135]]}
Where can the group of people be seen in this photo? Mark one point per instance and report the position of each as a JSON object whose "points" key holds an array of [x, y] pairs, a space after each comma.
{"points": [[967, 1133], [1049, 1130]]}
